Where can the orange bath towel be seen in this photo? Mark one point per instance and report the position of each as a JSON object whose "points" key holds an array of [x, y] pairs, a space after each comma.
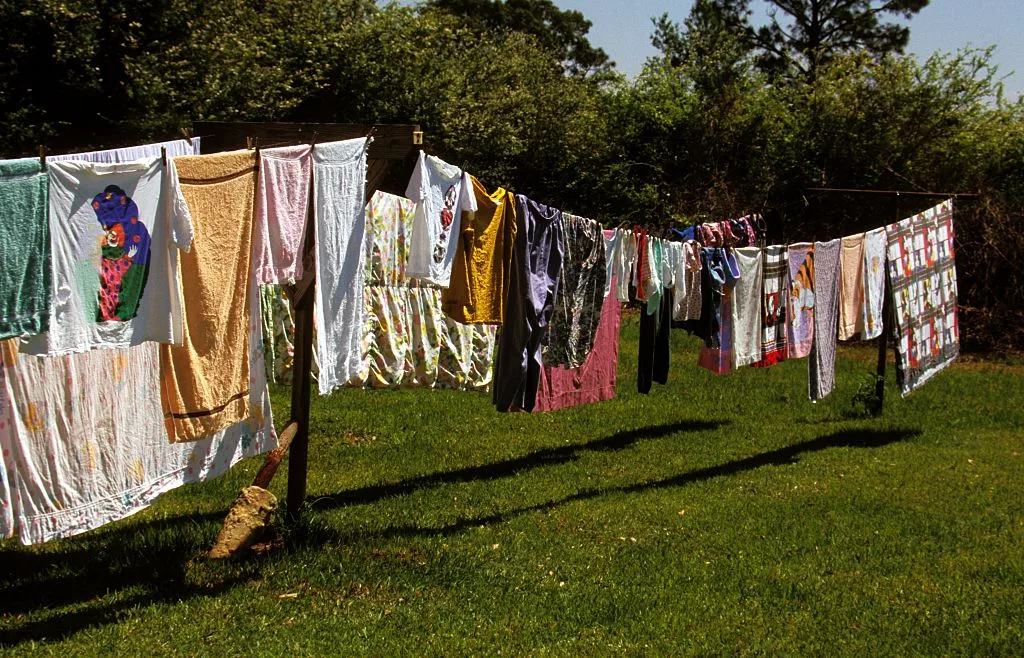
{"points": [[205, 382]]}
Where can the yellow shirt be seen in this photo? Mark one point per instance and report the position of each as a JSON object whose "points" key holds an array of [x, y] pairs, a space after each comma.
{"points": [[483, 259]]}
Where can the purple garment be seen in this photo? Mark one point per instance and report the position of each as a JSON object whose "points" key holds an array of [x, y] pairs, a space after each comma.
{"points": [[821, 367], [536, 263]]}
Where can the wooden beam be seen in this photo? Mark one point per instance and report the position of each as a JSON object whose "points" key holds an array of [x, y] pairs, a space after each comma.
{"points": [[390, 141], [274, 457], [389, 162], [302, 364]]}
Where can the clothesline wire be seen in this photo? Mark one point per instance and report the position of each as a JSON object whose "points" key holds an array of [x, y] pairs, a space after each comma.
{"points": [[896, 193]]}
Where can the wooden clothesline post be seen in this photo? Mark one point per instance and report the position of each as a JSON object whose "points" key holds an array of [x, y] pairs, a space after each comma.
{"points": [[389, 162], [883, 344]]}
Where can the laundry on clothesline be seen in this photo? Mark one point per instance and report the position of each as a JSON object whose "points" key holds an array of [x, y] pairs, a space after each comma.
{"points": [[83, 435], [144, 303]]}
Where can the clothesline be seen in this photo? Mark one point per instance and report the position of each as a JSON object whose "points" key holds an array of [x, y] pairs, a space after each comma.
{"points": [[552, 281]]}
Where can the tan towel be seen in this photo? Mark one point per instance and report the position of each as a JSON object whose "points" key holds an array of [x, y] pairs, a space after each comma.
{"points": [[205, 382], [851, 287]]}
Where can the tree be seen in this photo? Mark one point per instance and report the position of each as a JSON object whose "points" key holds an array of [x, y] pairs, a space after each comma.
{"points": [[712, 45], [87, 73], [562, 32], [803, 35]]}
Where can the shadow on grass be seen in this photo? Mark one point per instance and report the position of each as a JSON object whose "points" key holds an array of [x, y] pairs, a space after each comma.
{"points": [[780, 457], [94, 579], [509, 467]]}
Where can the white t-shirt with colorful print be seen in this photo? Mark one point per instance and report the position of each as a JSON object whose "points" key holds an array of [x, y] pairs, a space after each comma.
{"points": [[115, 232], [441, 192]]}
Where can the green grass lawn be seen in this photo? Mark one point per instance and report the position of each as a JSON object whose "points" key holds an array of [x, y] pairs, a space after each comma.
{"points": [[716, 515]]}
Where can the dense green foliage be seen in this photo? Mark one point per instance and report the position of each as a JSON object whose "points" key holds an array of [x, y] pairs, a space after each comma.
{"points": [[718, 515], [514, 91]]}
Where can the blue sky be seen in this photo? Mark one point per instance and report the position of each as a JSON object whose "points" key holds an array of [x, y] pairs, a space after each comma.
{"points": [[623, 29]]}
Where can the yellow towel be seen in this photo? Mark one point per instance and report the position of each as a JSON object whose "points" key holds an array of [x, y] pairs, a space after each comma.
{"points": [[205, 382]]}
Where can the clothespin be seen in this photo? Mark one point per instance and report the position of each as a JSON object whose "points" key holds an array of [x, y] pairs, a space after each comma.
{"points": [[42, 157], [312, 142], [163, 155], [187, 134]]}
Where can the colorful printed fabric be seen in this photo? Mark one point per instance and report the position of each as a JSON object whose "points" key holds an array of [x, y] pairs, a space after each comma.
{"points": [[922, 276], [594, 380], [821, 366], [746, 309], [686, 299], [85, 442], [176, 464], [441, 192], [579, 299], [7, 502], [117, 233], [801, 300], [407, 339], [278, 334], [875, 243], [775, 287], [25, 243]]}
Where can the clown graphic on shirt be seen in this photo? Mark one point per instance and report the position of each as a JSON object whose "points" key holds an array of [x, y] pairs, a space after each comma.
{"points": [[125, 247]]}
